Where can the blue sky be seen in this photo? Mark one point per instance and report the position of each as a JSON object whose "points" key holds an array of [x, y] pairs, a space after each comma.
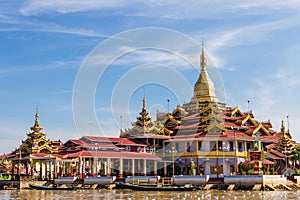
{"points": [[254, 45]]}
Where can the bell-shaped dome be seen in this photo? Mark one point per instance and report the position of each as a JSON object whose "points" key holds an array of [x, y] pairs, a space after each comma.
{"points": [[204, 89]]}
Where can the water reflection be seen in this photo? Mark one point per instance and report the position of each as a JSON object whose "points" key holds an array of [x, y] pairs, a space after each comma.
{"points": [[153, 195]]}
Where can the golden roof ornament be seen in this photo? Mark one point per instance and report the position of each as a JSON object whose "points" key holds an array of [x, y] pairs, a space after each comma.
{"points": [[144, 104], [36, 127], [282, 128], [204, 89]]}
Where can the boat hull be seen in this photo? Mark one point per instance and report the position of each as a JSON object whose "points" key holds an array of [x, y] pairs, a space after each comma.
{"points": [[40, 187], [157, 188]]}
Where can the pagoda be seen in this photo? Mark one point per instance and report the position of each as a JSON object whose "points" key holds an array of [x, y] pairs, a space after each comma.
{"points": [[36, 141], [144, 126], [285, 144], [36, 153], [206, 132]]}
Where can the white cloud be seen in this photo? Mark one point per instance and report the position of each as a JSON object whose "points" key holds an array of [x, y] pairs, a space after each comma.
{"points": [[52, 28], [255, 33], [250, 34], [55, 65], [158, 8], [157, 58], [33, 7]]}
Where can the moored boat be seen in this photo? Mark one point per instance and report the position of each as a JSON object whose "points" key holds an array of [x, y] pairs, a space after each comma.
{"points": [[41, 187], [158, 187]]}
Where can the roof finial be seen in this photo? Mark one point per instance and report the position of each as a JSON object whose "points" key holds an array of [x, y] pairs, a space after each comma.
{"points": [[36, 123], [288, 122], [144, 103], [36, 127], [202, 40], [203, 59], [282, 127]]}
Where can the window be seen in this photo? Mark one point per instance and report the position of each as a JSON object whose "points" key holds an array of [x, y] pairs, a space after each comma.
{"points": [[220, 145], [199, 145], [248, 146], [230, 146], [240, 147], [212, 145], [128, 148]]}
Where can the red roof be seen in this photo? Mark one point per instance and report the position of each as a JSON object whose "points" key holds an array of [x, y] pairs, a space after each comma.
{"points": [[117, 141], [161, 114], [277, 153], [114, 154], [98, 145], [267, 162], [230, 124], [270, 138], [195, 125], [272, 156], [191, 116], [238, 135], [271, 146]]}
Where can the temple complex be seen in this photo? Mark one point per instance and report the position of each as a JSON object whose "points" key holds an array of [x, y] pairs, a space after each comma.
{"points": [[201, 137]]}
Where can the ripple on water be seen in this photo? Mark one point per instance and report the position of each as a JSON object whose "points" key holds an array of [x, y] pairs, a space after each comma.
{"points": [[147, 195]]}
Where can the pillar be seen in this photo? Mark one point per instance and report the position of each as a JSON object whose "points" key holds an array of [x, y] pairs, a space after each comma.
{"points": [[165, 169], [41, 169], [105, 167], [80, 168], [206, 168], [94, 170], [155, 167], [139, 166], [46, 170], [145, 167], [55, 169], [132, 168], [83, 167], [197, 169], [108, 166], [226, 168], [185, 166], [121, 168], [50, 170]]}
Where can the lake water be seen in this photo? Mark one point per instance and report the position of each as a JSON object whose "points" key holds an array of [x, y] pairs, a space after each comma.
{"points": [[150, 195]]}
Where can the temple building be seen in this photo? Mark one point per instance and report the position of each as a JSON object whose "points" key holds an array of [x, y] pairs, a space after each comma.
{"points": [[43, 159], [215, 138], [201, 137]]}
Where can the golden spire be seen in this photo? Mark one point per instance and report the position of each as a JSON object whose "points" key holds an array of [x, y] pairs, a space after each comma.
{"points": [[203, 58], [144, 104], [204, 89], [36, 127], [285, 143], [144, 119], [282, 127]]}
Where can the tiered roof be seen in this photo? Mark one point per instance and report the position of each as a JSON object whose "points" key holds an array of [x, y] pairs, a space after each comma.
{"points": [[285, 144], [144, 126], [36, 141]]}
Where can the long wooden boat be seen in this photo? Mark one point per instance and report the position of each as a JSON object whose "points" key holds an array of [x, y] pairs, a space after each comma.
{"points": [[158, 187], [41, 187]]}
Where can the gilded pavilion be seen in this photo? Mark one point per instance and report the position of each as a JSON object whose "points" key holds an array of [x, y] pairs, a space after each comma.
{"points": [[204, 135]]}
